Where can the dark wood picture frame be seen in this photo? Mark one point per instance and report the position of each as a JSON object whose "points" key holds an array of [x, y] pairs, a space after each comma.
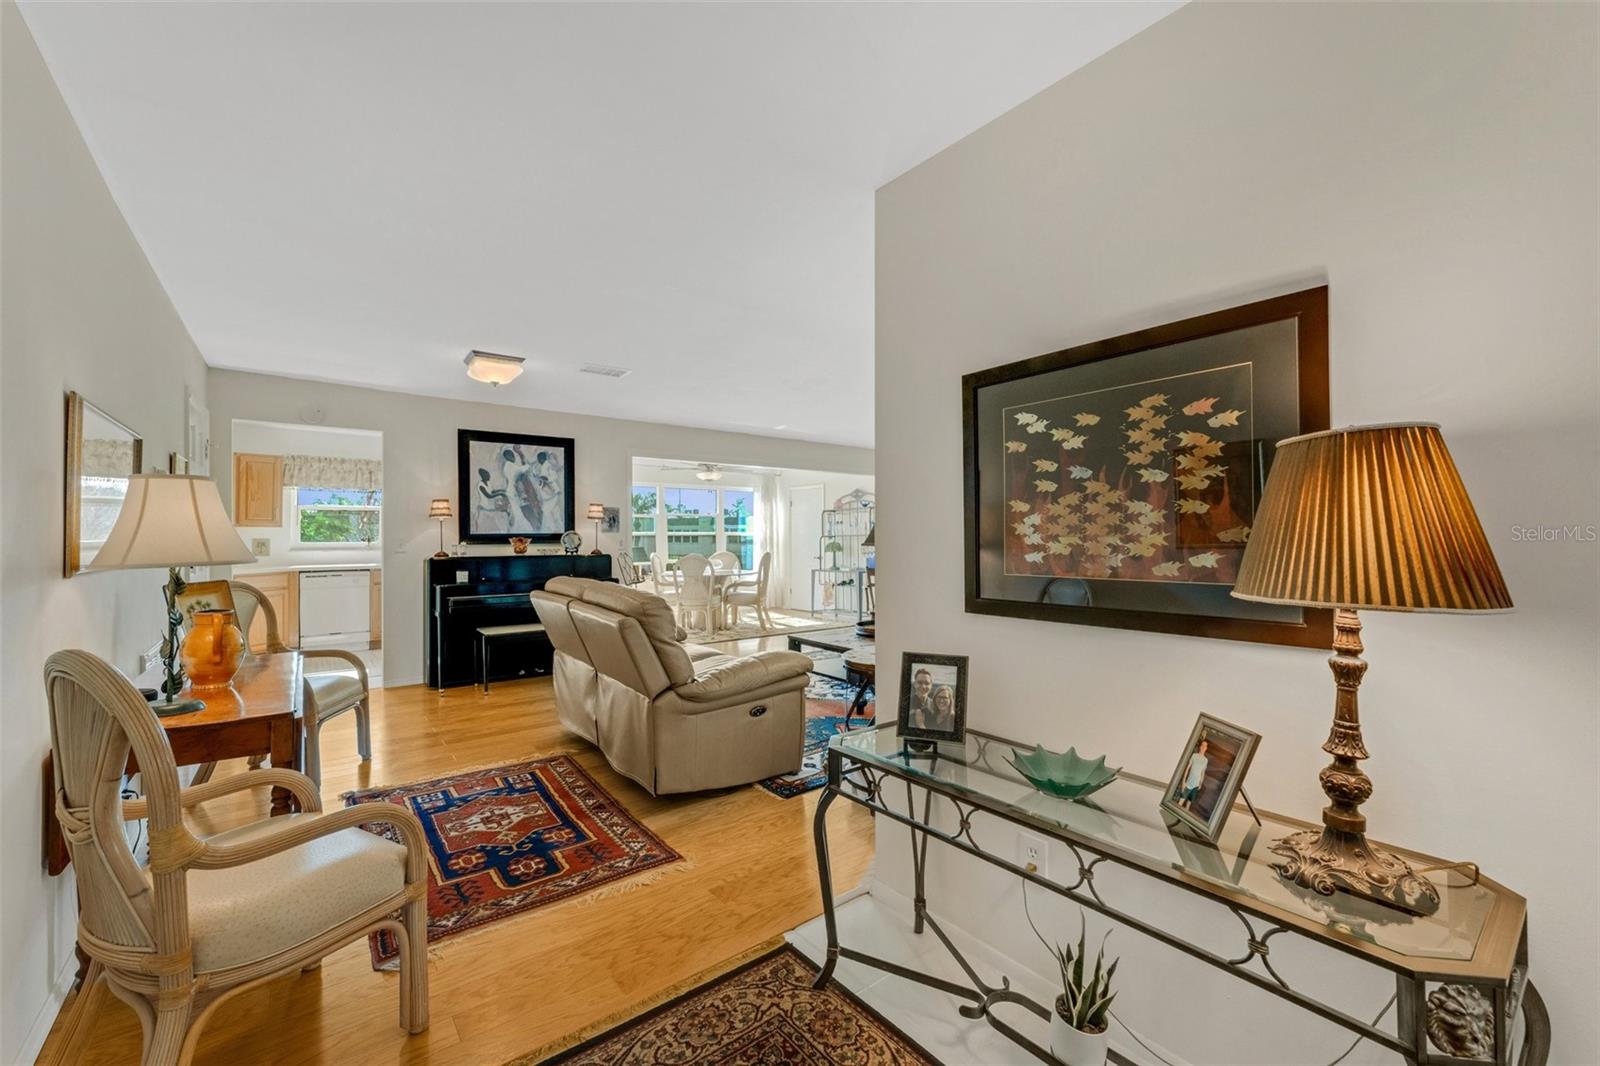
{"points": [[1233, 783], [909, 662], [1309, 309], [466, 480]]}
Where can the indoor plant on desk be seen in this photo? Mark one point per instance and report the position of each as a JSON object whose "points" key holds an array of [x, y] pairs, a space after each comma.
{"points": [[1083, 1010]]}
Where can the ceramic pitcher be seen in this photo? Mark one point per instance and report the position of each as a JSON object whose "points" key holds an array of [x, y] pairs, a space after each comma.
{"points": [[212, 650]]}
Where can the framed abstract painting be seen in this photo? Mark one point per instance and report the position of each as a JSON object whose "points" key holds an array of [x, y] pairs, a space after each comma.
{"points": [[514, 485], [1115, 483]]}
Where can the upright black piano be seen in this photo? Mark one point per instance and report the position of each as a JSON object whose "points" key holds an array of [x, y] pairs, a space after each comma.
{"points": [[459, 595]]}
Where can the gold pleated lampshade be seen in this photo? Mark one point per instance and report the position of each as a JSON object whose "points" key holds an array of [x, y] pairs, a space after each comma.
{"points": [[440, 508], [1369, 517]]}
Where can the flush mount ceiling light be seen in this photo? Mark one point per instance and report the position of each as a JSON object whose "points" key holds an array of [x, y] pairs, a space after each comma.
{"points": [[708, 472], [495, 369]]}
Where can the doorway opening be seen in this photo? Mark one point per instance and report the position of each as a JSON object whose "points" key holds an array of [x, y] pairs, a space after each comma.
{"points": [[308, 501]]}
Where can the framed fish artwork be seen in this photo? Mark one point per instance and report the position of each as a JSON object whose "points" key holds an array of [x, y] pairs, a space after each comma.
{"points": [[514, 485], [1115, 483]]}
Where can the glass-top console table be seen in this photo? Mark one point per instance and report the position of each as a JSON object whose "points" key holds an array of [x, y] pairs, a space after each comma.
{"points": [[1470, 958]]}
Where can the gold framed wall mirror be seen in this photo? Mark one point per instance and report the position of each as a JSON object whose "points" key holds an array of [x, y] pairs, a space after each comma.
{"points": [[102, 454]]}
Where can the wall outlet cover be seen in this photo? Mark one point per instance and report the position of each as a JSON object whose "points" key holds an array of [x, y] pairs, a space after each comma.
{"points": [[1033, 850], [260, 546]]}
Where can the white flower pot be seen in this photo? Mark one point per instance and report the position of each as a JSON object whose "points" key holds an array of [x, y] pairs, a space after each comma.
{"points": [[1075, 1047]]}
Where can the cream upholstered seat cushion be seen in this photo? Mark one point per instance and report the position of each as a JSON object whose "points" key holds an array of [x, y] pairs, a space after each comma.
{"points": [[248, 912], [722, 680], [335, 691]]}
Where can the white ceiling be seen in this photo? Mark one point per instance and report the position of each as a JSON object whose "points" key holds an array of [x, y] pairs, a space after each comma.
{"points": [[364, 192]]}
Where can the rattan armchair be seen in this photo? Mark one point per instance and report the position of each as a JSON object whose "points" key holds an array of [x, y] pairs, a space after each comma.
{"points": [[210, 917], [335, 682]]}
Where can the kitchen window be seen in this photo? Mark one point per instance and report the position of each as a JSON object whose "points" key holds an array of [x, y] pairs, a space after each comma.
{"points": [[338, 517]]}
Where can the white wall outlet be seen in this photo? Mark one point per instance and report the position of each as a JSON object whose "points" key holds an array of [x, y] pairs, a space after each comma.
{"points": [[1033, 853], [260, 546]]}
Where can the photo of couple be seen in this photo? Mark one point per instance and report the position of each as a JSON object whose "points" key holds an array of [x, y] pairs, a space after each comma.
{"points": [[933, 696]]}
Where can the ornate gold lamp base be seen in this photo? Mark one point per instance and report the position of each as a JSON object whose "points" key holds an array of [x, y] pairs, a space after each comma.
{"points": [[1338, 858], [1334, 861]]}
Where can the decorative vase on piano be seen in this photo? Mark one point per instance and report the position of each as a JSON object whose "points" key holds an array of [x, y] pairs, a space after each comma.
{"points": [[212, 650]]}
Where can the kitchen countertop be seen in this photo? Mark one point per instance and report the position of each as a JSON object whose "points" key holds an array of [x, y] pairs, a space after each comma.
{"points": [[270, 569]]}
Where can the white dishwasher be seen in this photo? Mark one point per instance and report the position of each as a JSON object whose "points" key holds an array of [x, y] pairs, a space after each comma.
{"points": [[335, 608]]}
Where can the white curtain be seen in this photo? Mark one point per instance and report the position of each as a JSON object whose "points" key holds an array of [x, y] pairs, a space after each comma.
{"points": [[329, 472], [775, 523]]}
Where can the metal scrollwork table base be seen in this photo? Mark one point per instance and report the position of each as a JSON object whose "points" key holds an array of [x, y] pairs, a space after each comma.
{"points": [[1462, 991]]}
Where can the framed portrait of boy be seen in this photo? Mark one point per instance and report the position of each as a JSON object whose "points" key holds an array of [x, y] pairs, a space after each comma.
{"points": [[1209, 774], [933, 697]]}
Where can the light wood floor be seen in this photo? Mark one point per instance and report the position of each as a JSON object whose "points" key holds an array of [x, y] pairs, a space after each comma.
{"points": [[521, 982]]}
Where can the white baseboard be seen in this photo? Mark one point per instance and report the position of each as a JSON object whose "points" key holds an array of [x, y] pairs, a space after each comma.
{"points": [[39, 1031], [1023, 979]]}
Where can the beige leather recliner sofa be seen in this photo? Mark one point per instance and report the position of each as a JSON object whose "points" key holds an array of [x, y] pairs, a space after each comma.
{"points": [[674, 717]]}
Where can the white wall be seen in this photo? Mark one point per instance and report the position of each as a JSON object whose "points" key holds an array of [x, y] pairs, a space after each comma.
{"points": [[82, 311], [276, 438], [419, 463], [1437, 166]]}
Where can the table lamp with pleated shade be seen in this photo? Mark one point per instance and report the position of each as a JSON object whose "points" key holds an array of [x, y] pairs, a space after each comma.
{"points": [[439, 510], [597, 514], [171, 520], [1364, 518]]}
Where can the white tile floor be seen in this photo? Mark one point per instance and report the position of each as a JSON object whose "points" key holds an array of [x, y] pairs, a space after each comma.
{"points": [[925, 1014]]}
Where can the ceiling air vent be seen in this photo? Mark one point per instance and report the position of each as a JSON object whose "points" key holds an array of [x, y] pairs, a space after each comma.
{"points": [[606, 371]]}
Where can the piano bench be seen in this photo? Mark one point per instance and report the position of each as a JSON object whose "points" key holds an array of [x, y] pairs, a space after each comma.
{"points": [[489, 636]]}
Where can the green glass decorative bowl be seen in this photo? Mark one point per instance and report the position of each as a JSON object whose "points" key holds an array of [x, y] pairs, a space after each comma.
{"points": [[1067, 774]]}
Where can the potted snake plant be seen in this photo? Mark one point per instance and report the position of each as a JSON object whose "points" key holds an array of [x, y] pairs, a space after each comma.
{"points": [[1083, 1009]]}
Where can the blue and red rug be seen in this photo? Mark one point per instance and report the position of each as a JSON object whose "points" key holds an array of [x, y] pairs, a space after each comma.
{"points": [[507, 839], [827, 701]]}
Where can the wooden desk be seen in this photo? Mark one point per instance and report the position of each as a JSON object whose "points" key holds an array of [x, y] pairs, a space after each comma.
{"points": [[259, 714]]}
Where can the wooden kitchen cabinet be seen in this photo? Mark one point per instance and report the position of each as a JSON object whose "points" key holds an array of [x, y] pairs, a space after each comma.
{"points": [[257, 490], [377, 608]]}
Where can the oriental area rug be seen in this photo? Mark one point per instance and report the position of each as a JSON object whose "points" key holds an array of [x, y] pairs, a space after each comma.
{"points": [[827, 702], [759, 1013], [507, 839]]}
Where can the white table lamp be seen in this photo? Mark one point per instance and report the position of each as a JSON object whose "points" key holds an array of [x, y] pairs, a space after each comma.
{"points": [[171, 520]]}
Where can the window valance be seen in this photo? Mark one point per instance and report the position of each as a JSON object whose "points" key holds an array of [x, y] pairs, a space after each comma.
{"points": [[330, 472]]}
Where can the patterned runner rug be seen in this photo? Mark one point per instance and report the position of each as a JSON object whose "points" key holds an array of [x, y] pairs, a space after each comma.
{"points": [[507, 839], [827, 701], [759, 1013]]}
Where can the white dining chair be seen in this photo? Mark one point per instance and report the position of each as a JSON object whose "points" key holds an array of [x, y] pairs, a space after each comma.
{"points": [[725, 561], [750, 594], [697, 593], [664, 580], [627, 571]]}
